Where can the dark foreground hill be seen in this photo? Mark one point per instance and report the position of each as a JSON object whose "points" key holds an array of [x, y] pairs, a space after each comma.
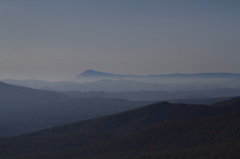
{"points": [[160, 130], [25, 117]]}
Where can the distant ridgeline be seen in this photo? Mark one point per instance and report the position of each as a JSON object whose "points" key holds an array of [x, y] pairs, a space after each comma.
{"points": [[91, 75], [91, 80]]}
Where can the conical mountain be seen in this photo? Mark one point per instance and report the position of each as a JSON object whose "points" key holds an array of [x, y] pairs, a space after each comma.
{"points": [[93, 73]]}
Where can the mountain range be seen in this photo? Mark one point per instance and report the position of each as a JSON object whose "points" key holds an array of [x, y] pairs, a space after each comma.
{"points": [[24, 109], [200, 119], [159, 95], [8, 91], [91, 80], [93, 73], [132, 90], [123, 85], [160, 130]]}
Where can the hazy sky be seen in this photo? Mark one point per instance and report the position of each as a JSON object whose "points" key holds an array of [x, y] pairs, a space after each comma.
{"points": [[59, 39]]}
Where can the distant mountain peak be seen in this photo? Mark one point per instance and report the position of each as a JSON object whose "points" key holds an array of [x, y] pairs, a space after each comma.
{"points": [[97, 75], [93, 73]]}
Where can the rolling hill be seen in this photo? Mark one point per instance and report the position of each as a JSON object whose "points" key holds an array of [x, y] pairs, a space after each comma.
{"points": [[136, 119], [26, 117], [159, 95], [10, 92], [132, 83], [129, 90], [25, 110], [161, 130]]}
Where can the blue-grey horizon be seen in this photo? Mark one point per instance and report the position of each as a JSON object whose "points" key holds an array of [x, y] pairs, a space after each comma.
{"points": [[58, 39]]}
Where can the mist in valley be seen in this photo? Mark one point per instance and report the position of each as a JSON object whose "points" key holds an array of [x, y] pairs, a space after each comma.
{"points": [[119, 79]]}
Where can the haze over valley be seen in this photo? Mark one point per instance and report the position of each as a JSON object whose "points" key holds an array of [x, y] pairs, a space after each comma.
{"points": [[140, 88], [113, 79]]}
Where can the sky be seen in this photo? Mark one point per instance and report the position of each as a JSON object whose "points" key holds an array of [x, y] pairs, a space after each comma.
{"points": [[56, 40]]}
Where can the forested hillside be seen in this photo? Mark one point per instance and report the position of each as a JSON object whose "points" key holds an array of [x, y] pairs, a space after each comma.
{"points": [[161, 130]]}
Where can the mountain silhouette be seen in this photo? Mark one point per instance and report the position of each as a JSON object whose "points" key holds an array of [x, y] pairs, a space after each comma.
{"points": [[8, 91], [93, 73], [161, 130], [139, 118], [24, 117]]}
